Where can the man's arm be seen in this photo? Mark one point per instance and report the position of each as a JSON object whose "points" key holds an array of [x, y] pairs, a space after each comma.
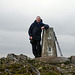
{"points": [[45, 26], [30, 31]]}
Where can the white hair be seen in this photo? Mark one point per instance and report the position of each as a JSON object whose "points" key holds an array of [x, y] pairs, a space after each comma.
{"points": [[38, 16]]}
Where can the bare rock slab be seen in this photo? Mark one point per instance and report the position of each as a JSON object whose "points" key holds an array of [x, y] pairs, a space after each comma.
{"points": [[52, 59]]}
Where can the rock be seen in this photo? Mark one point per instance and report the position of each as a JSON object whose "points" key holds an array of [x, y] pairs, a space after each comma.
{"points": [[62, 65], [52, 59], [11, 56], [71, 66], [0, 73], [6, 70], [17, 57], [67, 67], [22, 57], [70, 74], [21, 64], [40, 68], [73, 59]]}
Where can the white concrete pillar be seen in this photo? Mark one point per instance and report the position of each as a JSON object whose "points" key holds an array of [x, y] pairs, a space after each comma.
{"points": [[48, 43]]}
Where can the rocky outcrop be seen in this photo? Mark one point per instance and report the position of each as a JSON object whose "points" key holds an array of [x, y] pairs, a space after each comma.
{"points": [[23, 65], [52, 59]]}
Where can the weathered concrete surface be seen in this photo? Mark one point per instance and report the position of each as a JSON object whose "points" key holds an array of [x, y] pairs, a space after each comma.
{"points": [[73, 59], [52, 59], [49, 52], [48, 43]]}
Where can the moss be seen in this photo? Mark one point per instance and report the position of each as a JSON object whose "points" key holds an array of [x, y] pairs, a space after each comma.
{"points": [[23, 67], [50, 73], [18, 74], [2, 69], [67, 62], [31, 61], [44, 68]]}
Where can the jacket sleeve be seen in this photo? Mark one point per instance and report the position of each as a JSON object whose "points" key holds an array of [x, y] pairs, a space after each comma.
{"points": [[46, 26], [30, 30]]}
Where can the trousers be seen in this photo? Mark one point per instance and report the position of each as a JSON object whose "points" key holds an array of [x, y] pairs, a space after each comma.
{"points": [[36, 49]]}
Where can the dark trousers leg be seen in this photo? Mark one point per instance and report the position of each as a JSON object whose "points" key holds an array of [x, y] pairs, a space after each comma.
{"points": [[38, 48], [34, 49]]}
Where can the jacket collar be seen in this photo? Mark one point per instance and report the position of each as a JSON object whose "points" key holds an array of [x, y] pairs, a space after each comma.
{"points": [[40, 21]]}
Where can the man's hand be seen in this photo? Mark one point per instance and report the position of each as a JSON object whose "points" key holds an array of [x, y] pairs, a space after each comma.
{"points": [[42, 27], [31, 37]]}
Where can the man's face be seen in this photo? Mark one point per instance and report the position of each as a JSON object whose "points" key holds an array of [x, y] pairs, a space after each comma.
{"points": [[38, 19]]}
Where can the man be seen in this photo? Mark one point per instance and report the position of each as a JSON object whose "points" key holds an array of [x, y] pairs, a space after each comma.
{"points": [[35, 35]]}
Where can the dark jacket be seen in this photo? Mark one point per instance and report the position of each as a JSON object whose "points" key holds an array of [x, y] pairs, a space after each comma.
{"points": [[35, 30]]}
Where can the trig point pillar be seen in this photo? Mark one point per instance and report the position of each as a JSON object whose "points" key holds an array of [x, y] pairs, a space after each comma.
{"points": [[48, 43]]}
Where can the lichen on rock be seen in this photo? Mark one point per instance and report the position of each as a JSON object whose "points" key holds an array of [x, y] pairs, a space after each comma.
{"points": [[23, 65]]}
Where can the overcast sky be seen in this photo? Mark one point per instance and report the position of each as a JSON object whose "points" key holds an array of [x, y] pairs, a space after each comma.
{"points": [[17, 15]]}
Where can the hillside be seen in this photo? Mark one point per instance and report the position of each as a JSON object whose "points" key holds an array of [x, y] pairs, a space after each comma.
{"points": [[23, 65]]}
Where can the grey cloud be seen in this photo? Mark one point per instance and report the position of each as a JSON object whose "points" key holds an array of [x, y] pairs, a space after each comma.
{"points": [[17, 15]]}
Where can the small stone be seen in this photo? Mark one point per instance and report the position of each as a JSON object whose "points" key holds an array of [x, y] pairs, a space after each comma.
{"points": [[40, 68], [0, 73], [6, 70], [62, 65], [58, 68], [67, 67], [71, 66]]}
